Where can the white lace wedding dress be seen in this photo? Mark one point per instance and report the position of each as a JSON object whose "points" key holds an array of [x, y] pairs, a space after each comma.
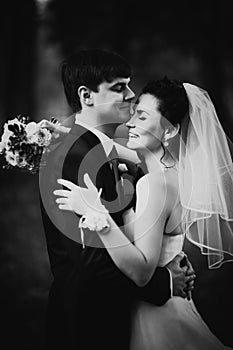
{"points": [[177, 325]]}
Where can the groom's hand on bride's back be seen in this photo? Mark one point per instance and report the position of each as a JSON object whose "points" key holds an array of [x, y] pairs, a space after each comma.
{"points": [[183, 276], [190, 276]]}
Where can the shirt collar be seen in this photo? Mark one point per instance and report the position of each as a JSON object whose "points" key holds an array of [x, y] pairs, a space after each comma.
{"points": [[106, 141]]}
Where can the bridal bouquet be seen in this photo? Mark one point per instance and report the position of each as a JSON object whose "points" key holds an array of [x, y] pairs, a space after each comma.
{"points": [[23, 143]]}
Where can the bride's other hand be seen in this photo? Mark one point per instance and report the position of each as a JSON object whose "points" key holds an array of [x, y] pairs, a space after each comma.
{"points": [[72, 199], [79, 199]]}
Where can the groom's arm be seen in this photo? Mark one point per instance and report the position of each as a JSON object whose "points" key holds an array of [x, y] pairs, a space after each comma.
{"points": [[158, 289], [175, 279]]}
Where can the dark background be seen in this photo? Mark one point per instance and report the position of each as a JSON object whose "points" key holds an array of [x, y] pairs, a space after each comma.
{"points": [[187, 40]]}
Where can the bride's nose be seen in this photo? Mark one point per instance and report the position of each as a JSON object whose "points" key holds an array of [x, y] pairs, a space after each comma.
{"points": [[130, 124]]}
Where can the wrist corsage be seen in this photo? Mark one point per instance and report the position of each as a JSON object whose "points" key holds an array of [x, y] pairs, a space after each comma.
{"points": [[94, 220]]}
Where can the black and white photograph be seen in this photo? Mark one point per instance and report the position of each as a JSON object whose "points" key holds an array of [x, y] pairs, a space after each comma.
{"points": [[116, 175]]}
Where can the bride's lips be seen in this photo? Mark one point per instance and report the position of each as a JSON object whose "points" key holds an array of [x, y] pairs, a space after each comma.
{"points": [[133, 136]]}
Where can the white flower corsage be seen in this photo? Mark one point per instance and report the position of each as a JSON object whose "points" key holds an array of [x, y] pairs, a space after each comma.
{"points": [[94, 221]]}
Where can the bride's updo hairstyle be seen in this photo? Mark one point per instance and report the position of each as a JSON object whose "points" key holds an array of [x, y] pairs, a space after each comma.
{"points": [[173, 99], [173, 103]]}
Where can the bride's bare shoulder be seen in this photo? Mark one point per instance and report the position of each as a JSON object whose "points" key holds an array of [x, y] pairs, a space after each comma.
{"points": [[151, 181], [158, 181]]}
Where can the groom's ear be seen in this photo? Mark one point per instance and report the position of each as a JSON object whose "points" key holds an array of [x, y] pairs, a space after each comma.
{"points": [[85, 95]]}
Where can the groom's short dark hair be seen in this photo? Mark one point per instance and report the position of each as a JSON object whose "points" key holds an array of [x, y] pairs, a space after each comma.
{"points": [[91, 67]]}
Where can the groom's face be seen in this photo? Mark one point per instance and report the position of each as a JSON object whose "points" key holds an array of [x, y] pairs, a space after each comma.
{"points": [[113, 101]]}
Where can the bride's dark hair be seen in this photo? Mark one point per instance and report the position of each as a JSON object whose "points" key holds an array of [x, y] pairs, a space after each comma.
{"points": [[173, 100]]}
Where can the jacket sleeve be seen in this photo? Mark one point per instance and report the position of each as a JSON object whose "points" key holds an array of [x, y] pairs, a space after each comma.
{"points": [[158, 289]]}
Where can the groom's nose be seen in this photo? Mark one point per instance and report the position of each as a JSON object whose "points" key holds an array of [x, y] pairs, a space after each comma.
{"points": [[129, 94]]}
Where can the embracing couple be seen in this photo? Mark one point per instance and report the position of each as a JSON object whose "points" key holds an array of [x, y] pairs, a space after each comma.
{"points": [[121, 280]]}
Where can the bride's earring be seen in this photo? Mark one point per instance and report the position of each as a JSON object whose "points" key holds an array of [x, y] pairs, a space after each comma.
{"points": [[165, 139], [165, 142]]}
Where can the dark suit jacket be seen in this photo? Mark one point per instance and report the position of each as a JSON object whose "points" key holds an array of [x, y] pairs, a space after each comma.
{"points": [[90, 298]]}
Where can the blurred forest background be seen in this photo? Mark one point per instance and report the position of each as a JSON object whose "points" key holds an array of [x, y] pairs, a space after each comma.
{"points": [[187, 40]]}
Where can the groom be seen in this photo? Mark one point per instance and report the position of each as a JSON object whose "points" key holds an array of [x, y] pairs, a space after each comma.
{"points": [[90, 298]]}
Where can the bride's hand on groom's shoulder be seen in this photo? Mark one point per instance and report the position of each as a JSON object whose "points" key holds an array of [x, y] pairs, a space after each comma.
{"points": [[55, 127]]}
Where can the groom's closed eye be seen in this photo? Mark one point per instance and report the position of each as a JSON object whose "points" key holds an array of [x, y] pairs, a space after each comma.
{"points": [[118, 87]]}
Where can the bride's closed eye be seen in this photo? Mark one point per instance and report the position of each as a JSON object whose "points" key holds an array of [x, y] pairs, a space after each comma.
{"points": [[141, 115]]}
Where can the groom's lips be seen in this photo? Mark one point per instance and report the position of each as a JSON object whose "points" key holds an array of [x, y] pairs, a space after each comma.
{"points": [[125, 106]]}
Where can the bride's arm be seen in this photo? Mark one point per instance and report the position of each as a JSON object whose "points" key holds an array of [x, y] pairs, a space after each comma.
{"points": [[139, 260], [129, 218], [56, 128]]}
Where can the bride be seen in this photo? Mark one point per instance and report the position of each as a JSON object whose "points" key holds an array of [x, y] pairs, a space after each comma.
{"points": [[186, 191]]}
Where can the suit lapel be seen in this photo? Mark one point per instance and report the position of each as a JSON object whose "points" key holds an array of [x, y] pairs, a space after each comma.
{"points": [[97, 163]]}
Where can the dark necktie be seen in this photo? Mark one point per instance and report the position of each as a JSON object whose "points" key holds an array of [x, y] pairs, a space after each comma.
{"points": [[113, 159]]}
